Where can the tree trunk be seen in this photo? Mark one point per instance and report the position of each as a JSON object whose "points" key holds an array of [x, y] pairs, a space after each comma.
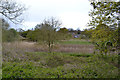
{"points": [[49, 44]]}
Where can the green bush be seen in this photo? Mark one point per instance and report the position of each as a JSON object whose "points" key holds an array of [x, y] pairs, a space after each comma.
{"points": [[18, 70], [55, 61], [9, 35]]}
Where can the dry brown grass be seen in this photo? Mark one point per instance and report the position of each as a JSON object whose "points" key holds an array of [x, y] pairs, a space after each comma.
{"points": [[17, 49], [22, 47], [75, 48]]}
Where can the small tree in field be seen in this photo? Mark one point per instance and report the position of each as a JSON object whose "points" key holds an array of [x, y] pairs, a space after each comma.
{"points": [[47, 32]]}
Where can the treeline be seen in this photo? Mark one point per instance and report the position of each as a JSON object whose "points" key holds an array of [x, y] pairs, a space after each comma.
{"points": [[48, 32], [63, 33], [8, 34]]}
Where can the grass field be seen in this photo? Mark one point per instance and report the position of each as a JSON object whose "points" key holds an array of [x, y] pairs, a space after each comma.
{"points": [[78, 42], [29, 60]]}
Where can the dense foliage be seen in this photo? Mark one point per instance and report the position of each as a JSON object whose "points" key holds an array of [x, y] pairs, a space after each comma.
{"points": [[8, 34], [105, 16], [105, 13]]}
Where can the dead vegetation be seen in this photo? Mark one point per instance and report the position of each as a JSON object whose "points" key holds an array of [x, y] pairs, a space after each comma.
{"points": [[75, 48], [17, 49]]}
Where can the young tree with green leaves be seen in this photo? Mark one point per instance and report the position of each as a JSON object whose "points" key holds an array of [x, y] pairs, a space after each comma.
{"points": [[104, 13], [46, 32], [105, 17]]}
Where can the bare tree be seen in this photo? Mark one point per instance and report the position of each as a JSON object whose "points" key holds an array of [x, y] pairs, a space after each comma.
{"points": [[12, 10]]}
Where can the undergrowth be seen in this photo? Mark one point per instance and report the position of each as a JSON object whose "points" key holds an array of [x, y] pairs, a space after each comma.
{"points": [[61, 65]]}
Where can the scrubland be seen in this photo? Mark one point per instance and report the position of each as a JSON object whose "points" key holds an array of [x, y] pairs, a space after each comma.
{"points": [[69, 59]]}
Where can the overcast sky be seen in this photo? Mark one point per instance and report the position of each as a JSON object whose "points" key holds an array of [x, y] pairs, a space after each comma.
{"points": [[72, 13]]}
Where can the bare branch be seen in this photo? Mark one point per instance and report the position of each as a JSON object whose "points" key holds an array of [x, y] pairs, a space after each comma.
{"points": [[12, 10]]}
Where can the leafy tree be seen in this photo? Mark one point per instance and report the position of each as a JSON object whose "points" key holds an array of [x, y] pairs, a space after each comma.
{"points": [[104, 22], [87, 33], [105, 13], [8, 34], [101, 33], [46, 32], [33, 35], [24, 33], [63, 30], [63, 33]]}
